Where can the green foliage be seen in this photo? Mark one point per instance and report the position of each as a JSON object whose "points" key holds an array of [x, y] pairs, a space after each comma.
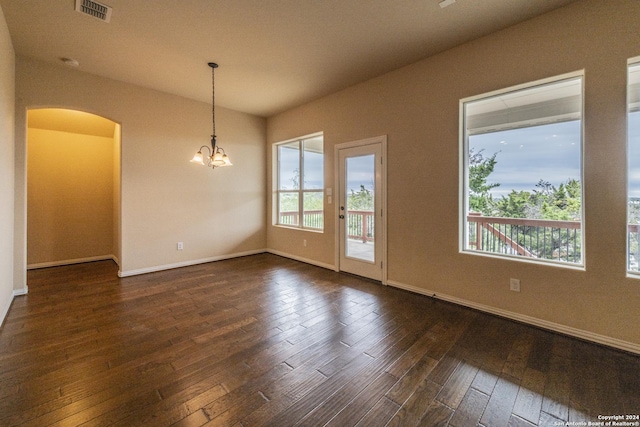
{"points": [[288, 202], [361, 200], [515, 205], [547, 201], [480, 167], [634, 211], [544, 202]]}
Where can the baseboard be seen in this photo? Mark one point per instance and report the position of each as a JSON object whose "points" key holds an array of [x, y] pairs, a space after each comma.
{"points": [[544, 324], [5, 310], [301, 259], [18, 292], [127, 273], [71, 261]]}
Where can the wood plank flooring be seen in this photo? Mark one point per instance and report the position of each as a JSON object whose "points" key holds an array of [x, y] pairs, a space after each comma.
{"points": [[267, 341]]}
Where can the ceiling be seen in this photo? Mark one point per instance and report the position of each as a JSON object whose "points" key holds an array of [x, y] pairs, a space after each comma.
{"points": [[72, 121], [273, 54]]}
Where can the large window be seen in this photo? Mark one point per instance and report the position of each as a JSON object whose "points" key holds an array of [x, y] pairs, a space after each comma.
{"points": [[300, 187], [633, 156], [522, 172]]}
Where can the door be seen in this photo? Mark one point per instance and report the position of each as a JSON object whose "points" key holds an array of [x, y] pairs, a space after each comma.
{"points": [[360, 209]]}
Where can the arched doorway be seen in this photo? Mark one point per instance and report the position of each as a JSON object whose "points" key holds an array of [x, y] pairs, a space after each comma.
{"points": [[73, 188]]}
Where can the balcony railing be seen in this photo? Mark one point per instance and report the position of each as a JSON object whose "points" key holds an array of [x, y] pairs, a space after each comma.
{"points": [[360, 224], [532, 238], [311, 219]]}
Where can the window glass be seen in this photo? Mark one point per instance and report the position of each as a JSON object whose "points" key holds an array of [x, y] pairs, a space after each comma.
{"points": [[300, 184], [312, 210], [313, 164], [289, 166], [288, 203], [523, 173], [633, 156]]}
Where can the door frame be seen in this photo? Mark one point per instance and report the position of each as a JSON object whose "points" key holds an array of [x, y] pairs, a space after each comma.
{"points": [[382, 141]]}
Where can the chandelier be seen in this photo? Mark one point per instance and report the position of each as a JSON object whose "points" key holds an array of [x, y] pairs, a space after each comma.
{"points": [[216, 157]]}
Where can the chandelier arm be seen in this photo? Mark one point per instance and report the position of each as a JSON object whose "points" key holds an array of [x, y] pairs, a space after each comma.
{"points": [[208, 150]]}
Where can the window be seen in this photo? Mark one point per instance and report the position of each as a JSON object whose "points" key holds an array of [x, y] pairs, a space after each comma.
{"points": [[633, 173], [522, 172], [300, 183]]}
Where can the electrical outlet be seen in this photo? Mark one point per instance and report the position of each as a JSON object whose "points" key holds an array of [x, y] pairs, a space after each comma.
{"points": [[514, 285], [304, 243], [180, 246]]}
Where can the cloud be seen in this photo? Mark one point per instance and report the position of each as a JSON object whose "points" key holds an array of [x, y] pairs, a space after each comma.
{"points": [[527, 155]]}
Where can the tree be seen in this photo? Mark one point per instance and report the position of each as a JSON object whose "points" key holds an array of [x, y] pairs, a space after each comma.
{"points": [[559, 203], [545, 201], [361, 200], [480, 167], [515, 205]]}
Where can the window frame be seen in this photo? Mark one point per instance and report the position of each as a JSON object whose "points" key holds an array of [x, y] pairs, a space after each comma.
{"points": [[463, 179], [631, 62], [300, 191]]}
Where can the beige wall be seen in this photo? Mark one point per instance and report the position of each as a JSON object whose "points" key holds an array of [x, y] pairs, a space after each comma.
{"points": [[70, 194], [417, 108], [7, 117], [164, 198]]}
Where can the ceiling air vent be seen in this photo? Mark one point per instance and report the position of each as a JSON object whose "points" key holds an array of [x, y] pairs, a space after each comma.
{"points": [[95, 9]]}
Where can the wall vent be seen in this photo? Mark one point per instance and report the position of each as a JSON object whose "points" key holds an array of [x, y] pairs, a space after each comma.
{"points": [[92, 8]]}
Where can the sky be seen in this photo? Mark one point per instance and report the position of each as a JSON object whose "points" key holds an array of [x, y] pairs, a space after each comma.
{"points": [[524, 157], [527, 155], [634, 154], [549, 152], [359, 170], [290, 166]]}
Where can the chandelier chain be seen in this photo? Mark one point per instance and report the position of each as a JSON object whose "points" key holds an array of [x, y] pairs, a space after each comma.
{"points": [[213, 99]]}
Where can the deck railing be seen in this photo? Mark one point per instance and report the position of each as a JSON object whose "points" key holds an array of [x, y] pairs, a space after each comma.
{"points": [[533, 238], [312, 219], [360, 224]]}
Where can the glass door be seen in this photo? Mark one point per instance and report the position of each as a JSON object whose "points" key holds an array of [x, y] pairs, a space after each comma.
{"points": [[360, 210]]}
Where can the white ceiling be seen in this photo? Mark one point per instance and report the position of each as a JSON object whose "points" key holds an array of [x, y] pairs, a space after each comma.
{"points": [[273, 54]]}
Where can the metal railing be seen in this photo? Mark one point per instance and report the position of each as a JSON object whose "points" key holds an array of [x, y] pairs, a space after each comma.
{"points": [[533, 238]]}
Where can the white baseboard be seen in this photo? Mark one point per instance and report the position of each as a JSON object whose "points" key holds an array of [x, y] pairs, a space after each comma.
{"points": [[127, 273], [18, 292], [301, 259], [544, 324], [71, 261], [5, 310]]}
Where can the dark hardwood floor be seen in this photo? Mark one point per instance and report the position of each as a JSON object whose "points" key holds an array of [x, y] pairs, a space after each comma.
{"points": [[267, 341]]}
